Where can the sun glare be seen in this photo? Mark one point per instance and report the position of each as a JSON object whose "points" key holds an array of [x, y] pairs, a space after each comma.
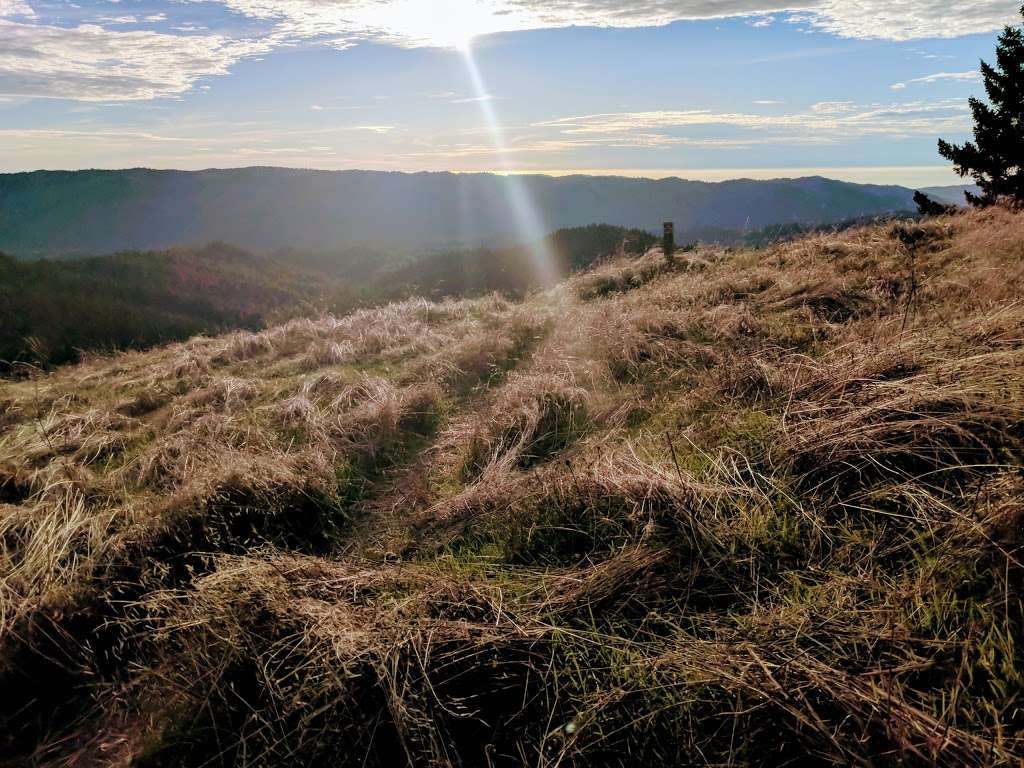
{"points": [[527, 219], [442, 23]]}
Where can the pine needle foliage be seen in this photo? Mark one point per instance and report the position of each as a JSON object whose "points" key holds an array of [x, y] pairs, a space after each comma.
{"points": [[995, 159]]}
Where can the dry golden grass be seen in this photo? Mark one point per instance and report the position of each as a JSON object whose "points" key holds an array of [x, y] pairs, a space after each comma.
{"points": [[754, 508]]}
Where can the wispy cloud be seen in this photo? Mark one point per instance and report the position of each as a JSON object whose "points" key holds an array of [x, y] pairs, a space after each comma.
{"points": [[938, 77], [822, 122], [92, 63], [105, 61], [117, 20], [443, 22], [9, 8], [183, 141], [473, 99], [448, 23], [912, 19]]}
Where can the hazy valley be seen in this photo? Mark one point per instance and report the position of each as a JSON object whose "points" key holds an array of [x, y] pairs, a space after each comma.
{"points": [[49, 213]]}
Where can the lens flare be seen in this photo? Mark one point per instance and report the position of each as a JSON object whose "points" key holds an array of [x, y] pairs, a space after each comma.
{"points": [[528, 220]]}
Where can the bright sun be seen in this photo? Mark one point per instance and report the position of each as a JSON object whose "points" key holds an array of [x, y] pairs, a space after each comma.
{"points": [[444, 23]]}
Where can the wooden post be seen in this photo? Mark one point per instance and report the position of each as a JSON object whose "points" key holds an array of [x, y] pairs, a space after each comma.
{"points": [[668, 242]]}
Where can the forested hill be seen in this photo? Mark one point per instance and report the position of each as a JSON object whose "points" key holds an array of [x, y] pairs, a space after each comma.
{"points": [[90, 212], [52, 310]]}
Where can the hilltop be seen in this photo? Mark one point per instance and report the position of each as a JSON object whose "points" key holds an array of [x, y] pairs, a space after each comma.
{"points": [[95, 212], [757, 507]]}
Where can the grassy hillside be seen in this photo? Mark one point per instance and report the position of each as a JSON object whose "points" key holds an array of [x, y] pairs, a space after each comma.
{"points": [[761, 508]]}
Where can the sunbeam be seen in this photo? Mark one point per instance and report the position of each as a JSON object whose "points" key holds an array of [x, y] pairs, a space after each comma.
{"points": [[528, 221]]}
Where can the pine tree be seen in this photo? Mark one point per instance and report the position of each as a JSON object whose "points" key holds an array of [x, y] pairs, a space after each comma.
{"points": [[928, 207], [996, 156]]}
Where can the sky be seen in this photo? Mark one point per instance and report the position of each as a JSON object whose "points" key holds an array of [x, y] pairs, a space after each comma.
{"points": [[702, 89]]}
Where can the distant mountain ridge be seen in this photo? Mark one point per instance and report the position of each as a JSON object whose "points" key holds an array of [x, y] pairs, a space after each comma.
{"points": [[954, 195], [53, 212]]}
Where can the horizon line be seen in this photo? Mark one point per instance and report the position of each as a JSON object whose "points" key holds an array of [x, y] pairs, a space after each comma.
{"points": [[897, 175]]}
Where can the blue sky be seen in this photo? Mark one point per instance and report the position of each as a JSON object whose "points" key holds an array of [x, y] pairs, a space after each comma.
{"points": [[712, 89]]}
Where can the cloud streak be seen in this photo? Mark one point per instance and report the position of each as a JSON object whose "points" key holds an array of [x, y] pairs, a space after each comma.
{"points": [[955, 77], [823, 122]]}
